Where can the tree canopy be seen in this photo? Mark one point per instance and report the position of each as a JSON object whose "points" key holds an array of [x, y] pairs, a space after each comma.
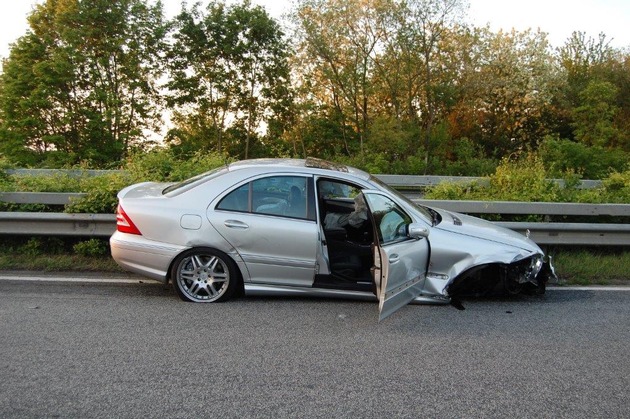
{"points": [[405, 86], [229, 76], [81, 84]]}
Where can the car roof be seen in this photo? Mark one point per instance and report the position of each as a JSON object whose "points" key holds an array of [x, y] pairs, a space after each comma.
{"points": [[314, 164]]}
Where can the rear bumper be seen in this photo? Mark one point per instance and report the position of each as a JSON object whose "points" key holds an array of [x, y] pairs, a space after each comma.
{"points": [[142, 256]]}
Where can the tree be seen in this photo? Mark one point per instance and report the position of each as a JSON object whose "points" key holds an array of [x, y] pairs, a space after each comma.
{"points": [[422, 28], [595, 96], [25, 132], [81, 83], [594, 118], [582, 59], [339, 40], [229, 72], [508, 91], [376, 61]]}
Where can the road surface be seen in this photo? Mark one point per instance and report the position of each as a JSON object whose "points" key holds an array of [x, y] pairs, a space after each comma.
{"points": [[92, 348]]}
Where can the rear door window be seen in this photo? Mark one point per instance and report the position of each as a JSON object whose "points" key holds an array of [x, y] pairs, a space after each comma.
{"points": [[285, 196]]}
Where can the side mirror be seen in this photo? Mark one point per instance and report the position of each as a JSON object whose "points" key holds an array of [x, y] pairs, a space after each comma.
{"points": [[417, 231]]}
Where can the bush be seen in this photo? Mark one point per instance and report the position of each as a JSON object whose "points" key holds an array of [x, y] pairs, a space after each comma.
{"points": [[616, 188], [468, 160], [528, 180], [163, 165], [34, 246], [92, 247], [160, 165], [101, 194], [523, 179], [4, 177], [591, 162], [60, 182]]}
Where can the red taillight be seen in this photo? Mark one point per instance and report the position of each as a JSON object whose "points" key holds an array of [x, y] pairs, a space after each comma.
{"points": [[124, 223]]}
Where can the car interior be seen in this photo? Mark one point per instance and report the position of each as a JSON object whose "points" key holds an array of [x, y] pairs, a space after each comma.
{"points": [[348, 240]]}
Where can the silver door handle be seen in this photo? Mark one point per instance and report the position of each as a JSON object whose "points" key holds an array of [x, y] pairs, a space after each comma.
{"points": [[236, 224], [394, 258]]}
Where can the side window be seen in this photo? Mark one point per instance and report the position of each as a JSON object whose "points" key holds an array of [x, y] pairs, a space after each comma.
{"points": [[280, 195], [330, 189], [390, 219], [285, 196], [237, 200]]}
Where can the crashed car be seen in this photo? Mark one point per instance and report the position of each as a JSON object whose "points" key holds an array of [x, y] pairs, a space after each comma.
{"points": [[311, 227]]}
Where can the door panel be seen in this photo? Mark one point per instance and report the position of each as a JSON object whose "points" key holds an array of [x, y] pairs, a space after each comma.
{"points": [[270, 222], [403, 272], [276, 250], [400, 262]]}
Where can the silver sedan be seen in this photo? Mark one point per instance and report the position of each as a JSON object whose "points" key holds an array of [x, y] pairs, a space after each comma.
{"points": [[311, 227]]}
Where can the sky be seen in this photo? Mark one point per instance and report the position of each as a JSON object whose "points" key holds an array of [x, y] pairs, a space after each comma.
{"points": [[559, 18]]}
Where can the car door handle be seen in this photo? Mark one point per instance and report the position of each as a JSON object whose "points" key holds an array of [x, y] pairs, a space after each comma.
{"points": [[394, 258], [236, 224]]}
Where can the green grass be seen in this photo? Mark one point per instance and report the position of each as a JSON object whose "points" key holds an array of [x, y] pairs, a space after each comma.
{"points": [[57, 263], [593, 267], [574, 267]]}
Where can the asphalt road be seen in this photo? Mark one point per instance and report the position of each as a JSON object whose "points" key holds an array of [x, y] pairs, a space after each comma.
{"points": [[77, 350]]}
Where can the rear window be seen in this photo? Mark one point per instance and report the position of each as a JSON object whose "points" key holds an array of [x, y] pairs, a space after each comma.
{"points": [[196, 179]]}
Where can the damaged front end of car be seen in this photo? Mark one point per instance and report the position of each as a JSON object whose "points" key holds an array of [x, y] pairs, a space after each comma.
{"points": [[524, 276], [472, 257]]}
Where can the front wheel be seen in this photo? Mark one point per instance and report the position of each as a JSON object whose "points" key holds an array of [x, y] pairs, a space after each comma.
{"points": [[204, 275]]}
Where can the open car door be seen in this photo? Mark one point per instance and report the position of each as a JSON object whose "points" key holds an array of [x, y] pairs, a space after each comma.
{"points": [[401, 253]]}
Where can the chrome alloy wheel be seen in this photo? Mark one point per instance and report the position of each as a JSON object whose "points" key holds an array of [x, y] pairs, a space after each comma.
{"points": [[203, 276]]}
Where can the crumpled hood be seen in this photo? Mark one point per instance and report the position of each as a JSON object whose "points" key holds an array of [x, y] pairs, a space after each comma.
{"points": [[472, 226]]}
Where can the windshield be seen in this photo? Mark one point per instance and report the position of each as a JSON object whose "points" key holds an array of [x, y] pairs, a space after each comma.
{"points": [[424, 211], [201, 177]]}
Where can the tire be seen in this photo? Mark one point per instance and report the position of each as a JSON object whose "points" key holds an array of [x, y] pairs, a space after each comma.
{"points": [[204, 275]]}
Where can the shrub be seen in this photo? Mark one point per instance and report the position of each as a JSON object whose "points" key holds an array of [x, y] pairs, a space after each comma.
{"points": [[91, 247], [35, 183], [526, 180], [163, 165], [4, 177], [523, 179], [35, 246], [592, 162], [159, 165], [616, 187], [468, 160], [101, 194]]}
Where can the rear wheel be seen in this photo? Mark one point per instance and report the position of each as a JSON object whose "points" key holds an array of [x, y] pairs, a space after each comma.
{"points": [[204, 275]]}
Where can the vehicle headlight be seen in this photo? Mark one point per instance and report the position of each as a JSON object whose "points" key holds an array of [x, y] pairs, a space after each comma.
{"points": [[535, 265]]}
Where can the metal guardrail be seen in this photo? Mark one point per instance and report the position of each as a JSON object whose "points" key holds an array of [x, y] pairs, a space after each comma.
{"points": [[48, 198], [548, 233], [57, 224], [61, 172], [573, 234], [103, 225], [399, 181], [415, 181], [538, 208]]}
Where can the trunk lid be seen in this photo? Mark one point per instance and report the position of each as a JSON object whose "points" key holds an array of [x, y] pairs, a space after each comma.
{"points": [[143, 190]]}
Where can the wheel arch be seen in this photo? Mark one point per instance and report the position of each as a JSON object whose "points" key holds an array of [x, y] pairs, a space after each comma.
{"points": [[240, 290], [190, 249]]}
